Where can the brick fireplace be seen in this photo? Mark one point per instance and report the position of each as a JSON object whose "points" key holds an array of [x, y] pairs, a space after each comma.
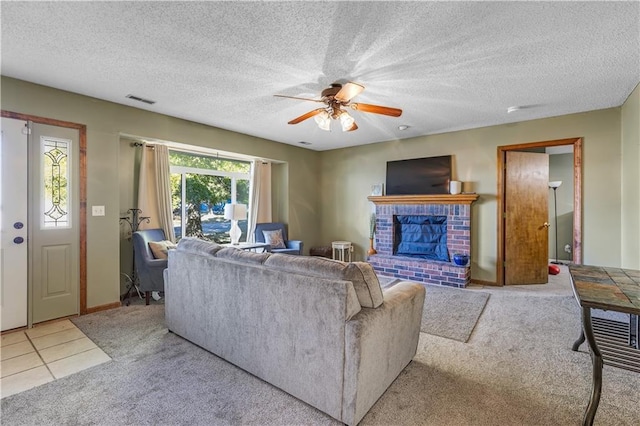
{"points": [[457, 210]]}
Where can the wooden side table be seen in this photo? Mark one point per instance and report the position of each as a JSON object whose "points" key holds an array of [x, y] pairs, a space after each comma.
{"points": [[342, 249], [611, 289]]}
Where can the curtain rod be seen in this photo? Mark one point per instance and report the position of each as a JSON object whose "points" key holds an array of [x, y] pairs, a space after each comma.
{"points": [[145, 145], [205, 152]]}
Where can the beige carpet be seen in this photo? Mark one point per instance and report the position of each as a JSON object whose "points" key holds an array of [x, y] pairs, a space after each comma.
{"points": [[516, 369]]}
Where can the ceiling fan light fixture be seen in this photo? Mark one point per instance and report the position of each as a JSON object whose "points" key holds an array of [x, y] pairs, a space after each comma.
{"points": [[346, 121], [323, 120], [336, 98]]}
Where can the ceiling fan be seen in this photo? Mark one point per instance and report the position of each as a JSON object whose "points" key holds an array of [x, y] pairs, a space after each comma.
{"points": [[337, 98]]}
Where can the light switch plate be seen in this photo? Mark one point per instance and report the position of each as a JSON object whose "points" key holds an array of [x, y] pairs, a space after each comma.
{"points": [[97, 210]]}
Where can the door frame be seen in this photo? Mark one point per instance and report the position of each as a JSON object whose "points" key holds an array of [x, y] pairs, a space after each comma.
{"points": [[82, 130], [577, 197]]}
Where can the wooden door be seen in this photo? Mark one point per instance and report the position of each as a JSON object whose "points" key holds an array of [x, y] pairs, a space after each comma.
{"points": [[526, 198]]}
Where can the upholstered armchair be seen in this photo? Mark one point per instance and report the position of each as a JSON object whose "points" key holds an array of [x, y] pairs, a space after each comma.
{"points": [[149, 270], [268, 233]]}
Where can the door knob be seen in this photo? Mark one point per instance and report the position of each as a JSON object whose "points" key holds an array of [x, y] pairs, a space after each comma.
{"points": [[18, 240], [546, 225], [18, 225]]}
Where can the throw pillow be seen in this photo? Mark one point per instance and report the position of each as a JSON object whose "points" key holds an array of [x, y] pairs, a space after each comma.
{"points": [[160, 249], [274, 239]]}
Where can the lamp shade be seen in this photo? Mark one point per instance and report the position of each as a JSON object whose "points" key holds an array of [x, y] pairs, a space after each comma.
{"points": [[554, 184], [235, 211], [323, 120], [346, 121]]}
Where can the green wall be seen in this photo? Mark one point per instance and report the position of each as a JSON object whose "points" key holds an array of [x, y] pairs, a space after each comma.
{"points": [[323, 195], [561, 168], [630, 217], [347, 175], [128, 167], [296, 181]]}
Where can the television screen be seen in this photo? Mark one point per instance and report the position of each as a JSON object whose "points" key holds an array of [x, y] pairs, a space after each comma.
{"points": [[419, 176]]}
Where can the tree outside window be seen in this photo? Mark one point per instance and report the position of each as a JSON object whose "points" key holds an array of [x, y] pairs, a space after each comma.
{"points": [[209, 184]]}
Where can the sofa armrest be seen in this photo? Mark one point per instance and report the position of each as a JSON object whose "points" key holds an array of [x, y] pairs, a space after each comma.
{"points": [[156, 263], [380, 342], [295, 244]]}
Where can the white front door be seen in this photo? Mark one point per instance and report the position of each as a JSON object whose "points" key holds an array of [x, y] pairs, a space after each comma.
{"points": [[54, 215], [40, 211], [13, 252]]}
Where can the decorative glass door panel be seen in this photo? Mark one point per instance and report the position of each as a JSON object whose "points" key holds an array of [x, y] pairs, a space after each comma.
{"points": [[56, 197]]}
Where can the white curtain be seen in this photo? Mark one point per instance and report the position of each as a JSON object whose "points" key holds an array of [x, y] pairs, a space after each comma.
{"points": [[259, 196], [154, 190], [146, 190], [163, 191]]}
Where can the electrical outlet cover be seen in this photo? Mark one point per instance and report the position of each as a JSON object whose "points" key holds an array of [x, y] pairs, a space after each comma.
{"points": [[97, 210]]}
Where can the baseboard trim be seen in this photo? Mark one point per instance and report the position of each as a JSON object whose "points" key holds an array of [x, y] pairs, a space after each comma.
{"points": [[482, 282], [103, 307]]}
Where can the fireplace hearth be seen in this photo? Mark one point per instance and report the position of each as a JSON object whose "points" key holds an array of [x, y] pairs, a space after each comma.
{"points": [[444, 226]]}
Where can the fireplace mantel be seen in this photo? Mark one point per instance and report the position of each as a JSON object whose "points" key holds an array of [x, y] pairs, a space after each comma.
{"points": [[424, 199]]}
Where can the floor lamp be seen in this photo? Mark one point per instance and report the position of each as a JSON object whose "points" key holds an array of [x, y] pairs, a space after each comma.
{"points": [[554, 185]]}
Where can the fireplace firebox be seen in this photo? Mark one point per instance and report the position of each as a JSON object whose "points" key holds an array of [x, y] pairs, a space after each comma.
{"points": [[443, 228], [419, 236]]}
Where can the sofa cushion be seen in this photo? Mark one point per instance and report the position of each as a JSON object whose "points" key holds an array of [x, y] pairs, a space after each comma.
{"points": [[198, 246], [238, 255], [160, 249], [274, 239], [361, 274]]}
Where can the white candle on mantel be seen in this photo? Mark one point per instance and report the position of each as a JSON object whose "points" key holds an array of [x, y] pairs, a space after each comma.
{"points": [[455, 187]]}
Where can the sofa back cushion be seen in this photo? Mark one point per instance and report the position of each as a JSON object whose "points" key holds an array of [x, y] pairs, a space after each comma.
{"points": [[232, 253], [198, 246], [361, 274]]}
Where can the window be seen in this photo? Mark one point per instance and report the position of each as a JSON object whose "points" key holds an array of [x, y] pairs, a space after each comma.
{"points": [[201, 185], [55, 196]]}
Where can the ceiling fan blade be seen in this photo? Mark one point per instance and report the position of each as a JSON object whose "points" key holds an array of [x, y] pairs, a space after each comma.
{"points": [[307, 115], [377, 109], [301, 99], [354, 127], [348, 92]]}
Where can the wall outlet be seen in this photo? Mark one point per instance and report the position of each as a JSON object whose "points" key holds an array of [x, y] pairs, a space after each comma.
{"points": [[97, 210]]}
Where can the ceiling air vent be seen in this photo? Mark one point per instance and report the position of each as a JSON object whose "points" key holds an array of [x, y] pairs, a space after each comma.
{"points": [[139, 99]]}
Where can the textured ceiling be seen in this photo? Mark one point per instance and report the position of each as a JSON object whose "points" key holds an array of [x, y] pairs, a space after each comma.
{"points": [[448, 65]]}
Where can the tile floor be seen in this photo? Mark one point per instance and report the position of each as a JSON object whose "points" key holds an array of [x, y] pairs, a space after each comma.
{"points": [[30, 358]]}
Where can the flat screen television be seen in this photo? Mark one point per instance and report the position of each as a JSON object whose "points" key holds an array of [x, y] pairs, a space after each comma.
{"points": [[419, 176]]}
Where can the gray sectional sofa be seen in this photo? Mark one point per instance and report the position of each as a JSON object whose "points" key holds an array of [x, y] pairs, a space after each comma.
{"points": [[322, 330]]}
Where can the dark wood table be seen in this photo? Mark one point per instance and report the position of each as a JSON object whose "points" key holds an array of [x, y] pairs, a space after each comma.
{"points": [[610, 289]]}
